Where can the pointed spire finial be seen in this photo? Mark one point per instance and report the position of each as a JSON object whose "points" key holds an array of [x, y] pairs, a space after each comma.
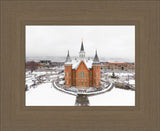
{"points": [[82, 48], [96, 59], [81, 39], [68, 59]]}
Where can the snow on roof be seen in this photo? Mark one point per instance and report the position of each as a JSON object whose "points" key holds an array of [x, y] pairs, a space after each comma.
{"points": [[68, 63], [75, 64], [88, 63]]}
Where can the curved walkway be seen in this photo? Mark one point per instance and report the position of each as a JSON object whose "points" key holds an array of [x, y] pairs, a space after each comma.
{"points": [[108, 88]]}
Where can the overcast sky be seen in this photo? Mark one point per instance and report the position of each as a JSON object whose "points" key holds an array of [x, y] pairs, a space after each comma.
{"points": [[109, 41]]}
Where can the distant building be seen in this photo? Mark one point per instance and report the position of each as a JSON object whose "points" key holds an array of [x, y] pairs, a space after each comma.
{"points": [[31, 65], [45, 63], [57, 64], [82, 72], [121, 66]]}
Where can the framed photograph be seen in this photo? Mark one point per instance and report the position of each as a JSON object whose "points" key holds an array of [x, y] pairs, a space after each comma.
{"points": [[84, 65], [103, 71]]}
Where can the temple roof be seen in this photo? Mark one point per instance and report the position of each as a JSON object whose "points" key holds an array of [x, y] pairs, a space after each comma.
{"points": [[76, 63], [96, 59], [68, 59]]}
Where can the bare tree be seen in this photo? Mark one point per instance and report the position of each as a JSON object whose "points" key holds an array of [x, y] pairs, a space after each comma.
{"points": [[32, 65]]}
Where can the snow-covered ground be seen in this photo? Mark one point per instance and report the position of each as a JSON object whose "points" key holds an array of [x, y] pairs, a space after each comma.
{"points": [[46, 95], [115, 97]]}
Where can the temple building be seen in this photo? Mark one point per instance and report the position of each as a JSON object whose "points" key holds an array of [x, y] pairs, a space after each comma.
{"points": [[82, 72]]}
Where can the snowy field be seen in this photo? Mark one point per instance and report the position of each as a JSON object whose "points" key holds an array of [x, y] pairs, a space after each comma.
{"points": [[40, 91], [46, 95], [116, 97]]}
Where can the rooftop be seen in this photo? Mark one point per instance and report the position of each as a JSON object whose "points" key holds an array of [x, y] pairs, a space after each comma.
{"points": [[88, 63]]}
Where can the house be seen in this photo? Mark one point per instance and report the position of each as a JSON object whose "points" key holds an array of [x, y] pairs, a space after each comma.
{"points": [[82, 72]]}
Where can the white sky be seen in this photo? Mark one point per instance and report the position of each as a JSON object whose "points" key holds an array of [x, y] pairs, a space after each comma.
{"points": [[110, 41]]}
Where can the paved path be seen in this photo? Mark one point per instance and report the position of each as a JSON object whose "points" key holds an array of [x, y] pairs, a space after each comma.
{"points": [[108, 88]]}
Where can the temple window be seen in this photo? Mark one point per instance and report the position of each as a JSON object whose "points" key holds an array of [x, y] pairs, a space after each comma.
{"points": [[90, 73], [73, 73], [82, 74]]}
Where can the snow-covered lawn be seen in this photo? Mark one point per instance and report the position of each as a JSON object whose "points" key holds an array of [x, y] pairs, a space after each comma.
{"points": [[115, 97], [46, 95]]}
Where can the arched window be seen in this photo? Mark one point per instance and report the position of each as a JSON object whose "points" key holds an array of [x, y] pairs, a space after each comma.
{"points": [[90, 73], [82, 74], [73, 73], [90, 82], [82, 82]]}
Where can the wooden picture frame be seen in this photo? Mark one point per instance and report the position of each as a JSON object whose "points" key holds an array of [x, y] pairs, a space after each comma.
{"points": [[145, 15]]}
